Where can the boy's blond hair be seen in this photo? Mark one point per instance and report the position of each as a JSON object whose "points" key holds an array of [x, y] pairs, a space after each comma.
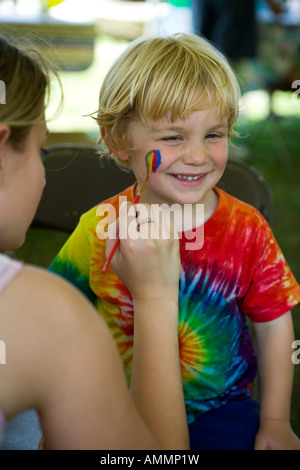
{"points": [[160, 76]]}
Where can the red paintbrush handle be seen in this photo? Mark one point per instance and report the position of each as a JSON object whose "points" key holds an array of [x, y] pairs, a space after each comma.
{"points": [[111, 254]]}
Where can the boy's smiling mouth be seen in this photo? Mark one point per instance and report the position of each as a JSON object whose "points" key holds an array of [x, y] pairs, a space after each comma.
{"points": [[188, 179]]}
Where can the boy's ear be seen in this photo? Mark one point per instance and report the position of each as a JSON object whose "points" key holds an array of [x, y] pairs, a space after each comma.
{"points": [[122, 154]]}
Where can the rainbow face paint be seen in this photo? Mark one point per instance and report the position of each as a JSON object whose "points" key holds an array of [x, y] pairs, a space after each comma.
{"points": [[153, 161]]}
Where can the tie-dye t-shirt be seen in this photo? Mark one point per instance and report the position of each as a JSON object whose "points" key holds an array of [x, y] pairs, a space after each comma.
{"points": [[239, 272]]}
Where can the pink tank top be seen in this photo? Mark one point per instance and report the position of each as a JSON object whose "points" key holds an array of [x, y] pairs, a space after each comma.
{"points": [[9, 268]]}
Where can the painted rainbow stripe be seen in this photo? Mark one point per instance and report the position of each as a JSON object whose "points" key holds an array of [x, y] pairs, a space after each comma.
{"points": [[153, 161]]}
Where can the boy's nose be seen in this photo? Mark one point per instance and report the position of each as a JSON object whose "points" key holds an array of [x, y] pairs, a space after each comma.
{"points": [[195, 155]]}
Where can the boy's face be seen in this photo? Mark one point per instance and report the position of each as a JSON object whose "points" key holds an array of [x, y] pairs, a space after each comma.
{"points": [[193, 152]]}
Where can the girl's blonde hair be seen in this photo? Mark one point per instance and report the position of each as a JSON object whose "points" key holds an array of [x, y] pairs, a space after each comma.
{"points": [[160, 76], [26, 76]]}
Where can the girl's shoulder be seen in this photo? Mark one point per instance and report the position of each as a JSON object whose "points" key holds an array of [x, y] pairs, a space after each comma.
{"points": [[36, 294]]}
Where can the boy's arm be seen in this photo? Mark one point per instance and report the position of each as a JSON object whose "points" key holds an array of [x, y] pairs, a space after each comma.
{"points": [[274, 340]]}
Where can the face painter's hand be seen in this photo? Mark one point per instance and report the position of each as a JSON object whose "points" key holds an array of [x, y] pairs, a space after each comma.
{"points": [[147, 259]]}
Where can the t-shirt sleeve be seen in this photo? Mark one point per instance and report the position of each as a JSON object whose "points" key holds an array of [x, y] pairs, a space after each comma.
{"points": [[273, 290], [73, 260]]}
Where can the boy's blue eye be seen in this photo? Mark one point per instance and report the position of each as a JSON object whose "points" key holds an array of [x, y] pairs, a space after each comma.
{"points": [[214, 136], [211, 136], [172, 138]]}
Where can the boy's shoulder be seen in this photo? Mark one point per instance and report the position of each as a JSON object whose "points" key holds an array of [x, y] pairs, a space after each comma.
{"points": [[114, 202], [232, 206], [127, 194]]}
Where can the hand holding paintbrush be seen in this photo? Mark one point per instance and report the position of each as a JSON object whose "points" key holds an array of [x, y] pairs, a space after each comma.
{"points": [[153, 161]]}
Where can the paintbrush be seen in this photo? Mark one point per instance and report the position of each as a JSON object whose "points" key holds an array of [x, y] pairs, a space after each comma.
{"points": [[153, 161]]}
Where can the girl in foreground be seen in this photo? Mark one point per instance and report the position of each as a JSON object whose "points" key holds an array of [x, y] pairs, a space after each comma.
{"points": [[60, 357]]}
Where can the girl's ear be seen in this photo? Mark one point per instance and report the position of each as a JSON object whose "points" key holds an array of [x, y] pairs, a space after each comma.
{"points": [[4, 134], [122, 154]]}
